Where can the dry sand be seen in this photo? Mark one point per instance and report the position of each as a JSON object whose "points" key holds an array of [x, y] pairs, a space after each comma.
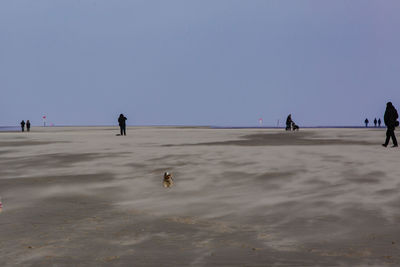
{"points": [[242, 197]]}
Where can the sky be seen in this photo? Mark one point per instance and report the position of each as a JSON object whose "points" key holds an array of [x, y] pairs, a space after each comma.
{"points": [[198, 62]]}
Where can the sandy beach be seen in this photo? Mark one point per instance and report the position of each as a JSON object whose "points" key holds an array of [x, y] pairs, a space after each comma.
{"points": [[82, 196]]}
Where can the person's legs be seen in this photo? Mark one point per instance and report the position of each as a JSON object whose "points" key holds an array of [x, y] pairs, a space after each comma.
{"points": [[120, 129], [124, 130], [387, 137], [394, 138]]}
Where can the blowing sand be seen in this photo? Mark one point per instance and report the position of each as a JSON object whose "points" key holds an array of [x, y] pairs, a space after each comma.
{"points": [[241, 197]]}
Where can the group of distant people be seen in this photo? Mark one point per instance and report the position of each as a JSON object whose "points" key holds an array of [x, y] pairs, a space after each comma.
{"points": [[390, 120], [121, 121], [376, 122], [28, 125], [290, 124]]}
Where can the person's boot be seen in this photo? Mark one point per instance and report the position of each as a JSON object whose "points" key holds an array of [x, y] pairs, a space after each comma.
{"points": [[385, 145]]}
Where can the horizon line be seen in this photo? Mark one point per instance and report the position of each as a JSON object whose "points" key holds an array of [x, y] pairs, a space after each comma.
{"points": [[205, 126]]}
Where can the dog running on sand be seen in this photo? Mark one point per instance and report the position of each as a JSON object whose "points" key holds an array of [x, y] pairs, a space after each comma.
{"points": [[168, 181]]}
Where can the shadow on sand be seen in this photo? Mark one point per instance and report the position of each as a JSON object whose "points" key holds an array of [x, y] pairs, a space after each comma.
{"points": [[281, 139]]}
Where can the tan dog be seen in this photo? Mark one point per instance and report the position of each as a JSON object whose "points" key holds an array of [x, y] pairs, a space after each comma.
{"points": [[168, 181]]}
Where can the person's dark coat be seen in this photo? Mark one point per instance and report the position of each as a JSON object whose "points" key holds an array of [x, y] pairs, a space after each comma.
{"points": [[390, 116], [122, 120], [122, 124], [289, 120], [22, 125]]}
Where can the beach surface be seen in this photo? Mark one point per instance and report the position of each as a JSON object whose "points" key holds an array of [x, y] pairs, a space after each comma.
{"points": [[83, 196]]}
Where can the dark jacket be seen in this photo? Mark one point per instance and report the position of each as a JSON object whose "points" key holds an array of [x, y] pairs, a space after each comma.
{"points": [[122, 120], [390, 116], [289, 120]]}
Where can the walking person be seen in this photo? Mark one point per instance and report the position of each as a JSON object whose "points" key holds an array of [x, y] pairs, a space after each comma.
{"points": [[28, 125], [379, 122], [22, 125], [122, 124], [375, 122], [366, 122], [390, 119]]}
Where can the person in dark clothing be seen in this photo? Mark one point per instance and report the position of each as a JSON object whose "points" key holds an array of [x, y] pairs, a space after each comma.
{"points": [[289, 122], [22, 125], [366, 122], [379, 122], [390, 119], [122, 124], [28, 125], [375, 122]]}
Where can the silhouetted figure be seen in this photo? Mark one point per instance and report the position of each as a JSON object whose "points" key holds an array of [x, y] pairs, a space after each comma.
{"points": [[122, 124], [379, 122], [390, 119], [375, 122], [22, 125], [289, 122], [28, 125], [366, 122]]}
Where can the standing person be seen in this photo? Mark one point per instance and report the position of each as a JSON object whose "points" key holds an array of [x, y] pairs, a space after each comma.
{"points": [[366, 122], [28, 125], [379, 122], [289, 122], [375, 122], [390, 119], [22, 125], [122, 124]]}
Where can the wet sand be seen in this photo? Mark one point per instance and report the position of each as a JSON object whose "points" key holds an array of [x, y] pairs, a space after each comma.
{"points": [[242, 197]]}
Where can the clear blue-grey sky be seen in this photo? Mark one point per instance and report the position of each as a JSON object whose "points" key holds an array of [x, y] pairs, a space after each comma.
{"points": [[203, 62]]}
